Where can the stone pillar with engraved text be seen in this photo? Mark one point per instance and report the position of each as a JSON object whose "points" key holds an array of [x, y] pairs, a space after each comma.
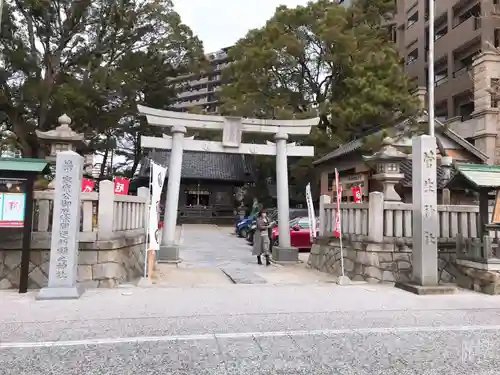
{"points": [[65, 228], [425, 215]]}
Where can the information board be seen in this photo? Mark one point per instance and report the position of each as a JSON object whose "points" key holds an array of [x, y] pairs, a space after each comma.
{"points": [[12, 210], [495, 217]]}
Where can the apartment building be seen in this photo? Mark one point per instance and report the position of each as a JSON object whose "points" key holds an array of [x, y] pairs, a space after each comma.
{"points": [[201, 91], [466, 32]]}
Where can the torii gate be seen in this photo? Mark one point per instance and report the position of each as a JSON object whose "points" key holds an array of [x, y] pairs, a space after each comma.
{"points": [[232, 130]]}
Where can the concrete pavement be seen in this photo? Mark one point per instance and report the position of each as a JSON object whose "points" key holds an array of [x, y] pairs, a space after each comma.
{"points": [[251, 329], [214, 256]]}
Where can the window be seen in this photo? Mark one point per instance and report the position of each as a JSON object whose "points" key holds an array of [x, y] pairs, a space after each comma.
{"points": [[442, 110], [331, 179], [441, 77], [441, 32], [412, 20], [412, 56], [495, 89], [59, 147], [466, 111], [496, 40], [394, 34]]}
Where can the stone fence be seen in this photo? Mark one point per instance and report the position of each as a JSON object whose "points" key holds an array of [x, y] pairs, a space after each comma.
{"points": [[377, 239], [111, 239], [104, 215]]}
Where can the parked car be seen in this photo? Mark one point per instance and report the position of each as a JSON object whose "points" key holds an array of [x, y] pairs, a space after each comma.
{"points": [[272, 215], [294, 213], [243, 226], [299, 233]]}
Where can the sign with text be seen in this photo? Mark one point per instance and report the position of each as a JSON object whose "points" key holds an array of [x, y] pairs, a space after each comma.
{"points": [[495, 217], [356, 193], [157, 179], [88, 185], [12, 207], [310, 213], [121, 185]]}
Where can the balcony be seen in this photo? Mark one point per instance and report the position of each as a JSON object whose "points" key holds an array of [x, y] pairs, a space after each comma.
{"points": [[189, 93], [464, 70], [440, 80], [455, 38]]}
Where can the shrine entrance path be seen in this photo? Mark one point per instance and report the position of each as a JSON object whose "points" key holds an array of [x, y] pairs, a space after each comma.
{"points": [[213, 255]]}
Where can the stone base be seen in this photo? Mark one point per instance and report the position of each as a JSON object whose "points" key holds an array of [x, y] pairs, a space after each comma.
{"points": [[285, 255], [59, 293], [343, 280], [169, 254], [426, 290], [144, 282]]}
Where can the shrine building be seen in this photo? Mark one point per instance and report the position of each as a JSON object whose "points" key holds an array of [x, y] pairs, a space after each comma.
{"points": [[209, 183]]}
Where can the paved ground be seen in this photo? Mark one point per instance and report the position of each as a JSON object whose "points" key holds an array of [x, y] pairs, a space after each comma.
{"points": [[251, 329], [276, 321], [214, 256]]}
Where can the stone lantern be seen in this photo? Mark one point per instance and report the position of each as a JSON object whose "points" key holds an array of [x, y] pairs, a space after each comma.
{"points": [[387, 163], [62, 138]]}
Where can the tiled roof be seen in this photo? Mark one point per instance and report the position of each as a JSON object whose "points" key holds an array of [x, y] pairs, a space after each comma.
{"points": [[480, 175], [406, 169], [205, 165], [358, 143]]}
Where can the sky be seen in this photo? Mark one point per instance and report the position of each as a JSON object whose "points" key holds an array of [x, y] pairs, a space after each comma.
{"points": [[221, 23]]}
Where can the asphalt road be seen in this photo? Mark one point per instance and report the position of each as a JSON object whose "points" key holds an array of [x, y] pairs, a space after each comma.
{"points": [[347, 353], [257, 329]]}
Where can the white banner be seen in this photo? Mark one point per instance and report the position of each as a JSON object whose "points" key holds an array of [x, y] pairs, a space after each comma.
{"points": [[310, 212], [338, 224], [158, 174]]}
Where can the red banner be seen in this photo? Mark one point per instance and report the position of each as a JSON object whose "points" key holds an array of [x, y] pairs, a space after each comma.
{"points": [[88, 185], [356, 193], [121, 185], [338, 225]]}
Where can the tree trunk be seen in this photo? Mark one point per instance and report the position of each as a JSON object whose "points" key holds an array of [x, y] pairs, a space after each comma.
{"points": [[104, 162]]}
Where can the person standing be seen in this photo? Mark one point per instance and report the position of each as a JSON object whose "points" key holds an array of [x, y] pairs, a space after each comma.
{"points": [[261, 240]]}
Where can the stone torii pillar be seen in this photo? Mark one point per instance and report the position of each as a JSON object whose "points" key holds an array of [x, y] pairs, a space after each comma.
{"points": [[282, 194], [169, 250]]}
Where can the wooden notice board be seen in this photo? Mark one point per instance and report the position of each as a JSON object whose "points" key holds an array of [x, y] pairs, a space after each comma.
{"points": [[495, 217]]}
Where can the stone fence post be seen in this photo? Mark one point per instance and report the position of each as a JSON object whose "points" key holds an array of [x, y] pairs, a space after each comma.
{"points": [[323, 199], [376, 217], [143, 192], [105, 218]]}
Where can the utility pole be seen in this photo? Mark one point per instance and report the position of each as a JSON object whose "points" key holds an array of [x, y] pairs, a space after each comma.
{"points": [[1, 9], [430, 90]]}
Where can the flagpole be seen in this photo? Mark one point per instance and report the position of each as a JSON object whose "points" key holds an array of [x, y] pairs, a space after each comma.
{"points": [[339, 215], [430, 91], [340, 239], [1, 12], [148, 234]]}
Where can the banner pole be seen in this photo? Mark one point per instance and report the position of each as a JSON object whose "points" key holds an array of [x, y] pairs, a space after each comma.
{"points": [[339, 215], [146, 250], [340, 239]]}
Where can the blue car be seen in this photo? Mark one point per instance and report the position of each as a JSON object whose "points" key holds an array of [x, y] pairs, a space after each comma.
{"points": [[243, 226]]}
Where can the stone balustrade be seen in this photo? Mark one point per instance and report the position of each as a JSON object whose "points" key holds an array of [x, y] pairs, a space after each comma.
{"points": [[377, 243], [111, 239], [395, 220], [104, 215]]}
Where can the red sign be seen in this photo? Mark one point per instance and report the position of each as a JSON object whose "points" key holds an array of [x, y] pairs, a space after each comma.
{"points": [[356, 193], [88, 185], [121, 185], [12, 210], [338, 225]]}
